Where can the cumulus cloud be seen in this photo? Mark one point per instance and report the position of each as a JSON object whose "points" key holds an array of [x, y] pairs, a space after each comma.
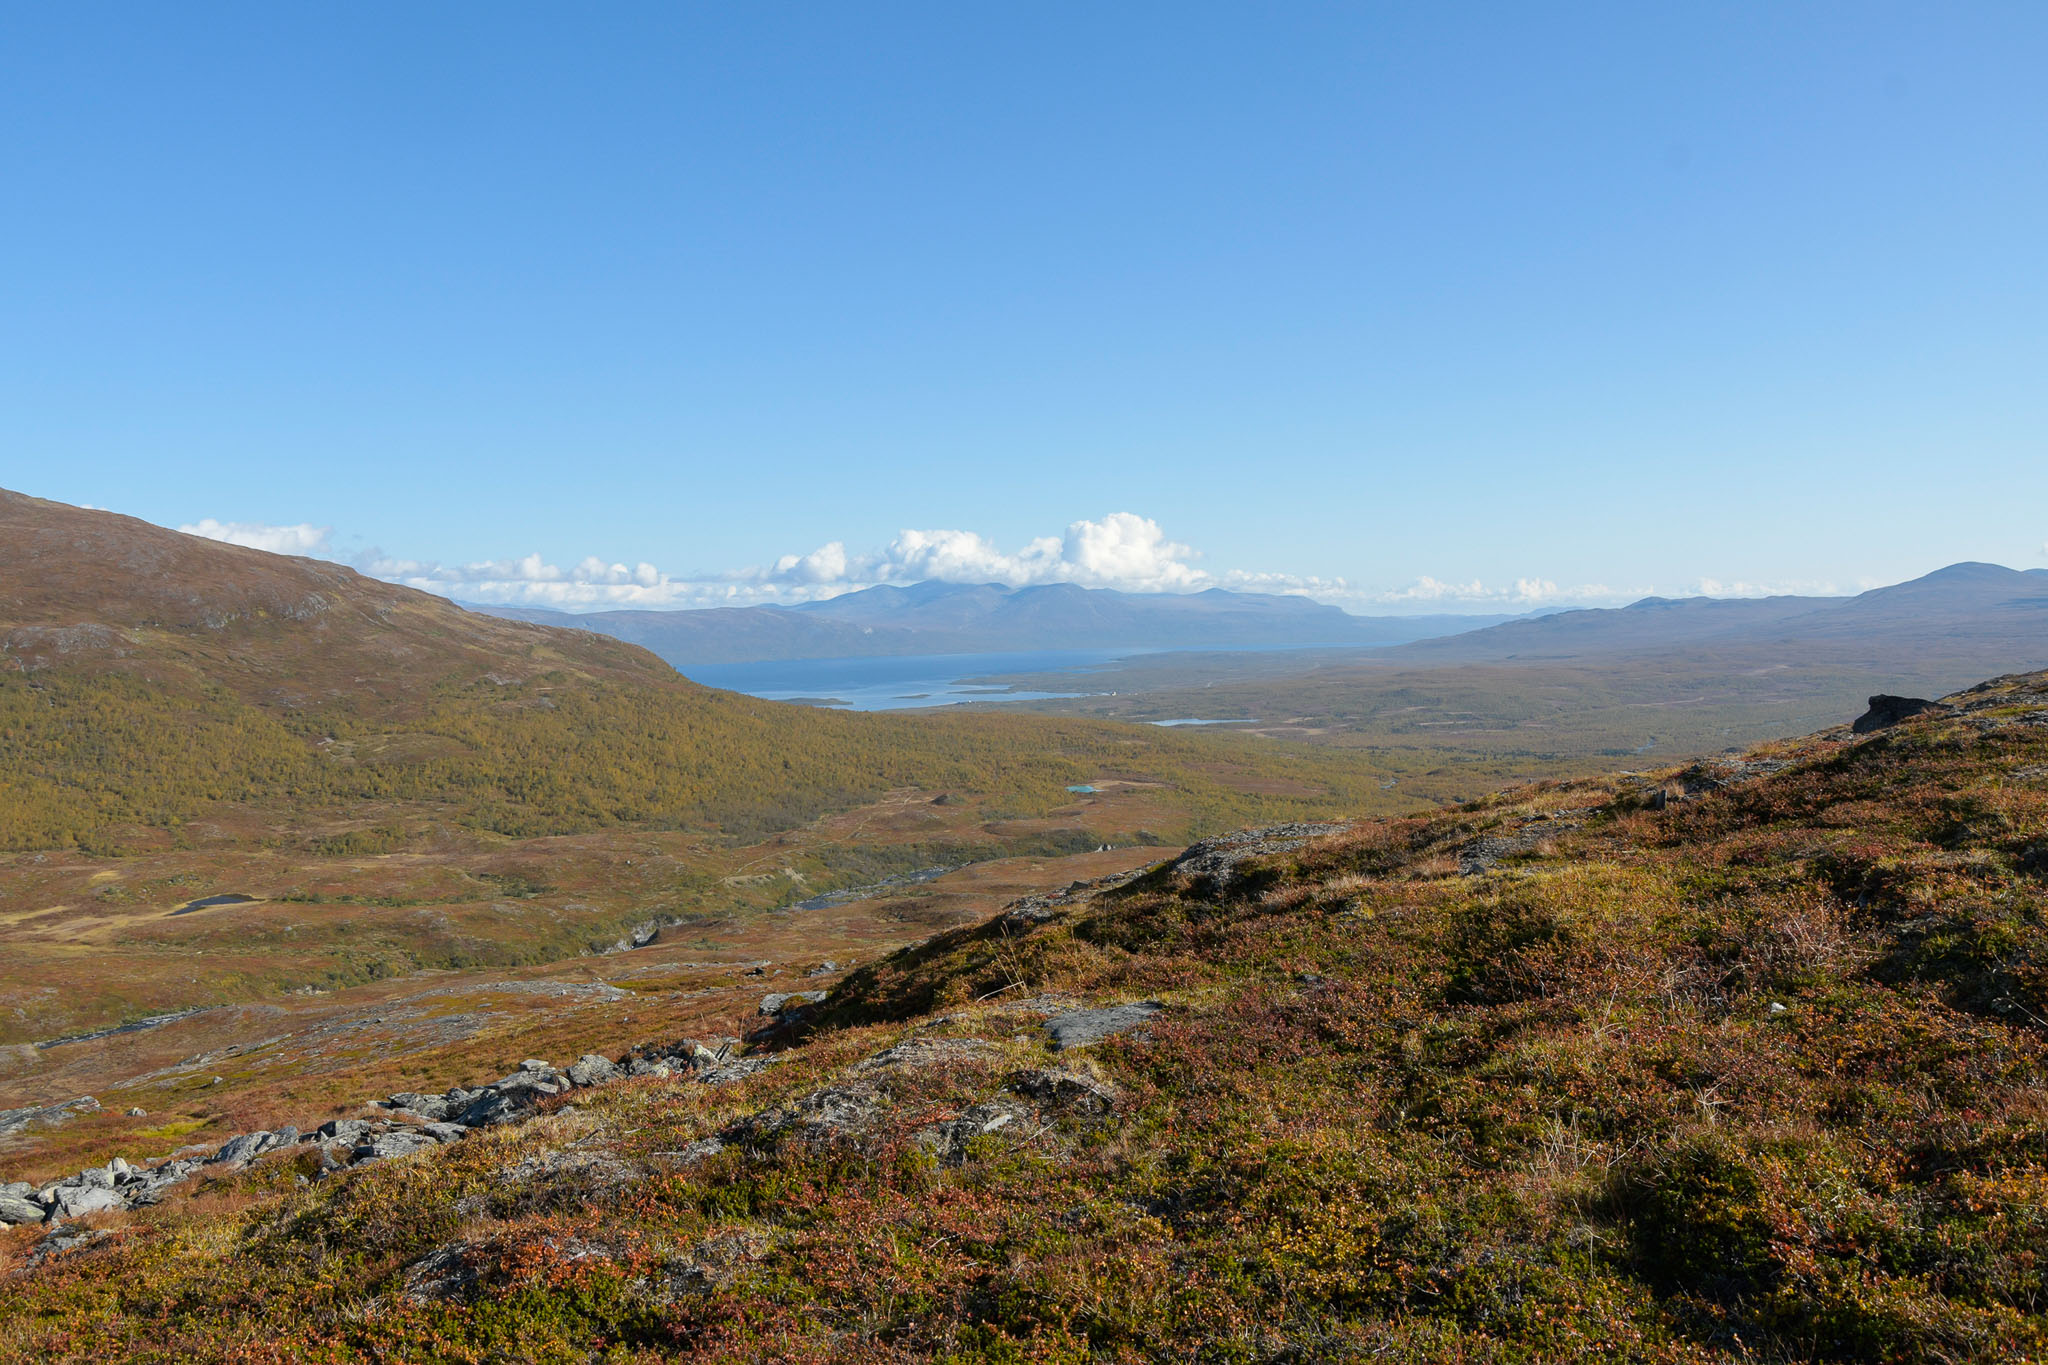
{"points": [[1121, 550], [302, 539], [530, 580]]}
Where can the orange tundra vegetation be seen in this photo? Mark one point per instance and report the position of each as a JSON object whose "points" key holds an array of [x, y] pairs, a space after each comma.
{"points": [[1740, 1061]]}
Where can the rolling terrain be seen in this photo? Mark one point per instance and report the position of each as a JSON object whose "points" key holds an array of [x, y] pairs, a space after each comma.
{"points": [[1740, 1060], [263, 788], [1661, 678]]}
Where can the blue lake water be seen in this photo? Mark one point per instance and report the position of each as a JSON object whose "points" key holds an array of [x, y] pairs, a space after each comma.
{"points": [[893, 683]]}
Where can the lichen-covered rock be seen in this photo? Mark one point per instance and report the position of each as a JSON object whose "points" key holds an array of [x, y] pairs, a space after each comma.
{"points": [[591, 1069], [947, 1140], [823, 1116], [19, 1208], [75, 1201], [400, 1142], [1212, 866], [782, 1002], [1080, 1028], [240, 1151], [431, 1107], [1073, 1092], [350, 1131], [496, 1108]]}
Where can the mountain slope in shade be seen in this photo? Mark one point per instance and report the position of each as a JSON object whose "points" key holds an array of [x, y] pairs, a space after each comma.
{"points": [[987, 618]]}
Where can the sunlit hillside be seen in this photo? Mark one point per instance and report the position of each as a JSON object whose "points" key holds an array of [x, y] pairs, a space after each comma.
{"points": [[1734, 1061]]}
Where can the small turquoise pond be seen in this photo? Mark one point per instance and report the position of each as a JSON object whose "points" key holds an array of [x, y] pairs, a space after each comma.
{"points": [[1083, 790]]}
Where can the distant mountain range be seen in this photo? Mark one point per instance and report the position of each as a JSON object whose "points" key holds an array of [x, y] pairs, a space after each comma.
{"points": [[985, 618], [1975, 613]]}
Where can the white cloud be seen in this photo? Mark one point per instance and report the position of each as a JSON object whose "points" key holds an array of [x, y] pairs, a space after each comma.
{"points": [[1714, 587], [1524, 594], [1121, 550], [302, 539]]}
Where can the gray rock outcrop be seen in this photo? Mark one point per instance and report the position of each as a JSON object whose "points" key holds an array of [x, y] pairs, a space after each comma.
{"points": [[1886, 711], [1212, 865], [1080, 1028]]}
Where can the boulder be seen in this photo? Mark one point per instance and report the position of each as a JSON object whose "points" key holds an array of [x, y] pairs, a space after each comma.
{"points": [[75, 1201], [445, 1132], [783, 1001], [494, 1108], [1212, 866], [1079, 1028], [240, 1151], [426, 1106], [16, 1208], [535, 1082], [591, 1069], [1886, 711], [149, 1186], [400, 1142], [345, 1130]]}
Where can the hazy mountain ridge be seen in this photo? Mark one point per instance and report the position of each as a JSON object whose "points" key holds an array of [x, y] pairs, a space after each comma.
{"points": [[986, 618], [1962, 602]]}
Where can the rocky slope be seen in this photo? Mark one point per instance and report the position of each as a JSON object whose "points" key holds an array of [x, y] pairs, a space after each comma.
{"points": [[1742, 1060]]}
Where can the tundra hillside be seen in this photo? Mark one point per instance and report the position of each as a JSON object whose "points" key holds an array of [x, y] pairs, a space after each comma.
{"points": [[229, 775], [1737, 1061]]}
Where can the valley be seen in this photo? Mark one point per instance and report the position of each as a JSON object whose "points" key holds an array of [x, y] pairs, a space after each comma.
{"points": [[1653, 681], [1707, 1063], [280, 842], [305, 1056], [282, 802]]}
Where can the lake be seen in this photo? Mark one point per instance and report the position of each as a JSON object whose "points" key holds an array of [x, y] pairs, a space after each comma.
{"points": [[895, 683]]}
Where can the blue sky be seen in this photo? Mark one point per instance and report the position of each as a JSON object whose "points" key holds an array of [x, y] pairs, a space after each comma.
{"points": [[1404, 305]]}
